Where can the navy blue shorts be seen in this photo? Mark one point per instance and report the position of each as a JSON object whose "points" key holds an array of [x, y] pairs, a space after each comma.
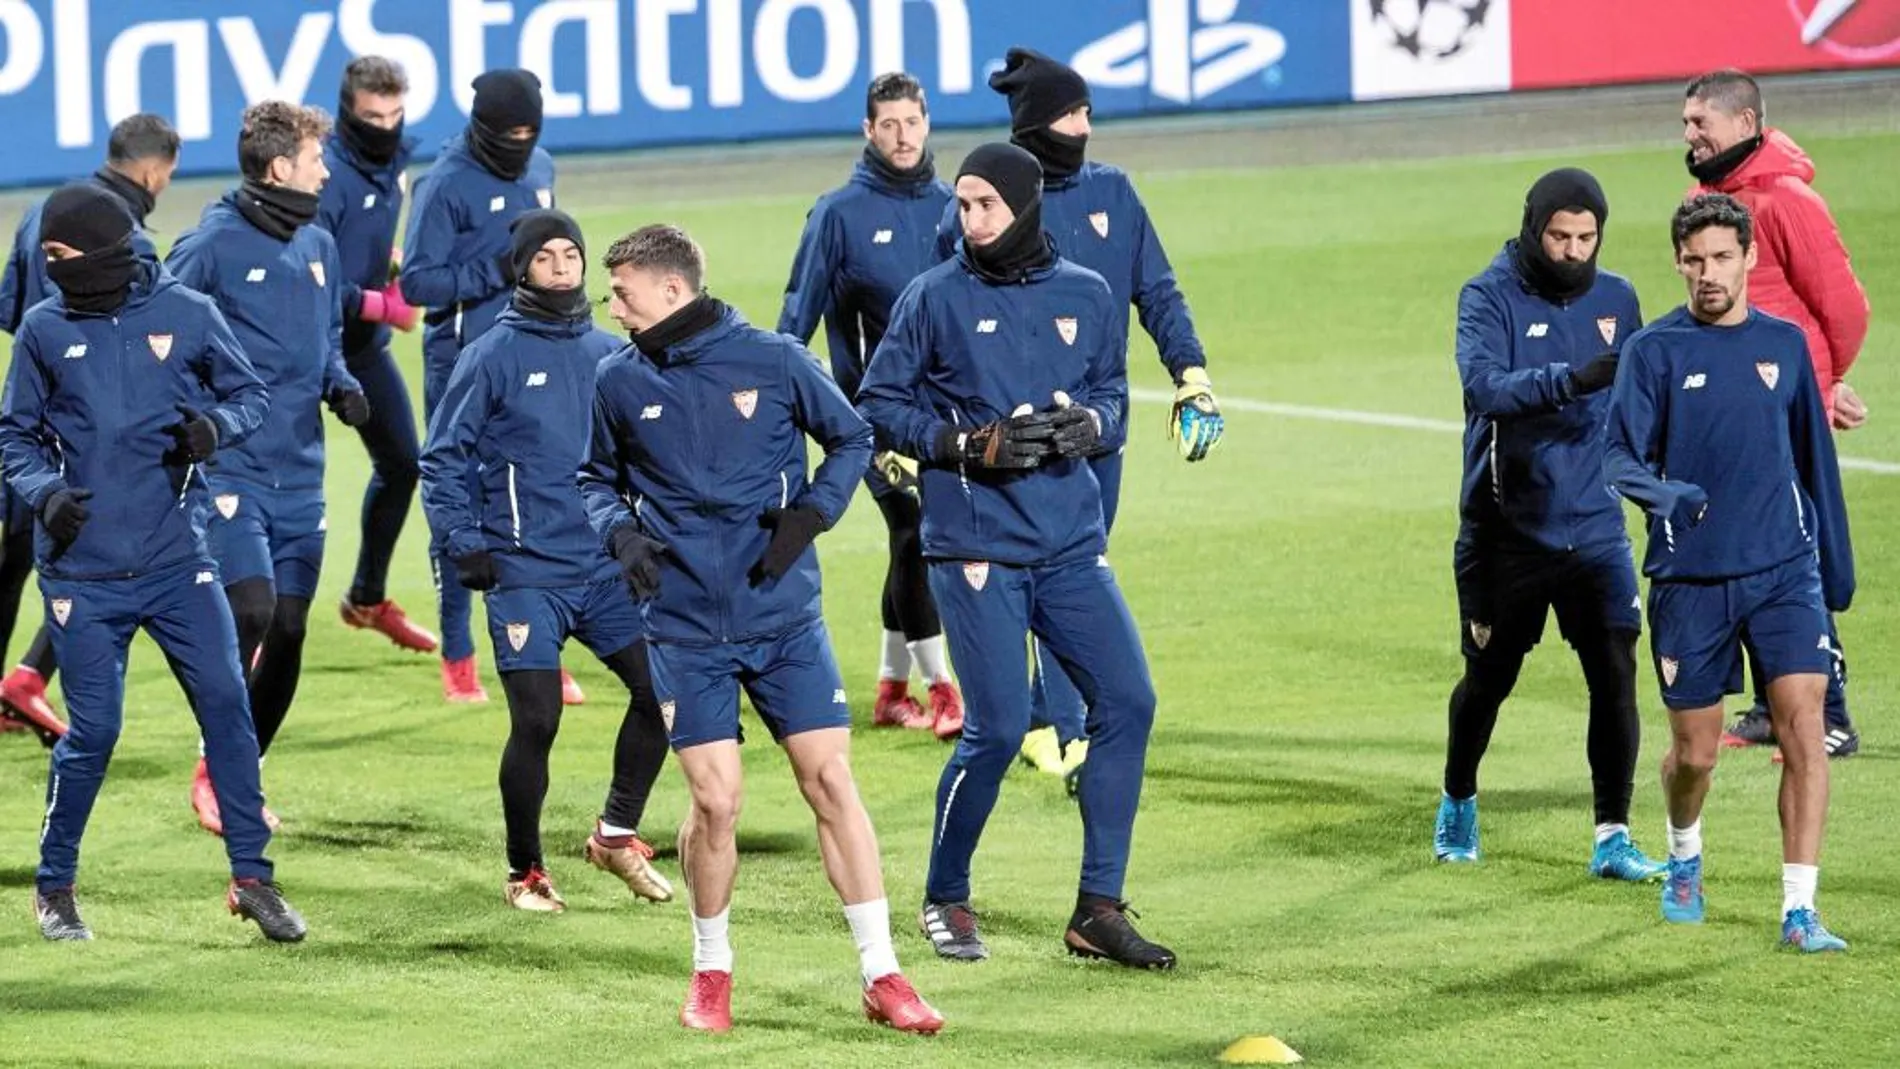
{"points": [[529, 625], [259, 533], [792, 679], [1504, 595], [1699, 630]]}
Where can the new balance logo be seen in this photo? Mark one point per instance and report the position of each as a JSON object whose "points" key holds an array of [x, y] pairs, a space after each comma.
{"points": [[986, 326], [537, 378], [497, 204], [837, 696], [74, 352], [256, 275], [1696, 381], [882, 237], [1537, 330], [369, 201], [650, 412], [1159, 53], [204, 578]]}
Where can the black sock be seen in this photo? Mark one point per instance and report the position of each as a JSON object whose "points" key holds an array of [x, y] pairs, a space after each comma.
{"points": [[1474, 713], [1615, 732], [640, 750], [534, 718]]}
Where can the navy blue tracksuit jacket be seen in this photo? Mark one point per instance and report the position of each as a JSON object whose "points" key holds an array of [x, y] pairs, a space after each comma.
{"points": [[360, 206], [962, 352], [24, 282], [1534, 449], [284, 300], [1691, 403], [695, 446], [863, 243], [458, 228], [520, 405]]}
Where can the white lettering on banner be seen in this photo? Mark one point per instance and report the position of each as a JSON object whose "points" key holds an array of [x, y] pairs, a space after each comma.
{"points": [[771, 50], [653, 58], [189, 41], [72, 73], [356, 25], [725, 54], [26, 45], [1165, 54], [469, 21], [953, 41], [601, 21], [253, 66]]}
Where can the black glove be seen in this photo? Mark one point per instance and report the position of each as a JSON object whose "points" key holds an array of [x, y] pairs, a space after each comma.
{"points": [[350, 406], [64, 512], [477, 570], [196, 434], [639, 558], [505, 263], [1077, 433], [1595, 375], [1017, 443], [793, 531]]}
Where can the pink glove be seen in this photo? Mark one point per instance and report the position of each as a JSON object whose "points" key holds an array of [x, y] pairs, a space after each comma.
{"points": [[387, 306]]}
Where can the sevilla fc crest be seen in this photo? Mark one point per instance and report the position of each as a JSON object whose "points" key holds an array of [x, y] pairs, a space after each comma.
{"points": [[1480, 634], [62, 608], [227, 505], [976, 573], [1065, 326], [1769, 371], [517, 636], [746, 401], [666, 715], [316, 272], [1099, 220], [1669, 666], [1606, 326], [544, 197], [161, 345]]}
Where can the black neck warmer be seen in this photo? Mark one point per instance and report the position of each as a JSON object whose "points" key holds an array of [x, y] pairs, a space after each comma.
{"points": [[503, 156], [94, 223], [1061, 155], [370, 142], [138, 200], [916, 178], [1565, 189], [552, 306], [694, 316], [276, 210], [1723, 163]]}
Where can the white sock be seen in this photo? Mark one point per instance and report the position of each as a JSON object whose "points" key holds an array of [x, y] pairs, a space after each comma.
{"points": [[930, 659], [712, 950], [896, 664], [1685, 843], [1607, 831], [611, 831], [1797, 887], [871, 929]]}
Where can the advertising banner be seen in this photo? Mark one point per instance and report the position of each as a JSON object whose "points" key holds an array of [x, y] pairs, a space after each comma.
{"points": [[1408, 48]]}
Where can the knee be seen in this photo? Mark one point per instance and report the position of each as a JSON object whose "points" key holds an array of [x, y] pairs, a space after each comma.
{"points": [[86, 747], [1491, 677], [829, 788], [253, 620], [716, 811], [1694, 756], [399, 467], [291, 621]]}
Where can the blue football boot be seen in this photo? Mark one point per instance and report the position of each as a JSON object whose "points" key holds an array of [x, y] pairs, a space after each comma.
{"points": [[1455, 839]]}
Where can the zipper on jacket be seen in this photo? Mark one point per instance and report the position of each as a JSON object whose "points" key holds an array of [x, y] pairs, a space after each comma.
{"points": [[514, 507], [1800, 514], [1491, 458], [784, 491], [721, 606]]}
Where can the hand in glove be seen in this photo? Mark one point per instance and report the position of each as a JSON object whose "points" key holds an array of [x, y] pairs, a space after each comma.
{"points": [[793, 531], [350, 406], [1195, 426], [639, 558], [196, 435], [898, 470], [386, 305], [1078, 430], [64, 512], [477, 570], [1598, 374], [1021, 442]]}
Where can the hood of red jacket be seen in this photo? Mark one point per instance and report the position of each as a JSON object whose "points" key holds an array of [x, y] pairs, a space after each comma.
{"points": [[1778, 157]]}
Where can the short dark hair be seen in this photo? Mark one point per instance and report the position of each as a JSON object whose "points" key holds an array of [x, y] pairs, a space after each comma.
{"points": [[142, 137], [897, 85], [377, 75], [1731, 92], [1712, 209], [276, 128], [660, 247]]}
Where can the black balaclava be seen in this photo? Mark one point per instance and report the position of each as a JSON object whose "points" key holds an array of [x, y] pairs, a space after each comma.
{"points": [[138, 200], [530, 232], [915, 178], [504, 99], [99, 226], [369, 141], [1042, 90], [1723, 163], [1022, 247], [276, 210], [1567, 189]]}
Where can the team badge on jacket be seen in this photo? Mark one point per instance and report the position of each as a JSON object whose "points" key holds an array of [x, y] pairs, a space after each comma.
{"points": [[161, 345], [1606, 326], [1065, 326], [517, 636], [1769, 371], [544, 197], [667, 710], [227, 505], [746, 401], [976, 573], [1099, 220], [62, 609], [1668, 666], [316, 272], [1480, 634]]}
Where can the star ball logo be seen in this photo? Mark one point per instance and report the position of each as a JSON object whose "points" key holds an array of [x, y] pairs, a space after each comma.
{"points": [[1859, 31], [1431, 29]]}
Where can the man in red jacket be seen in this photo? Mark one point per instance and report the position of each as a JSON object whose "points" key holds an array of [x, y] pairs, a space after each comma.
{"points": [[1802, 275]]}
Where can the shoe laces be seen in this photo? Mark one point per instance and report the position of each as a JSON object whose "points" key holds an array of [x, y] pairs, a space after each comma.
{"points": [[958, 917]]}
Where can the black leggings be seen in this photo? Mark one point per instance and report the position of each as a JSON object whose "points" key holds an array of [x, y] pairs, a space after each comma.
{"points": [[534, 717], [16, 567], [390, 438], [279, 625], [908, 606]]}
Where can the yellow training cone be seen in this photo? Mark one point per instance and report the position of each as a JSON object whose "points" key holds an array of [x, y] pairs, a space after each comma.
{"points": [[1260, 1050]]}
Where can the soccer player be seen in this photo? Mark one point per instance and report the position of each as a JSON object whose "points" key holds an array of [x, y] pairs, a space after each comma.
{"points": [[257, 253], [457, 261], [1002, 373], [141, 154], [1802, 275], [1718, 431], [1538, 336], [863, 243], [1097, 221], [121, 386], [695, 481], [518, 407], [365, 154]]}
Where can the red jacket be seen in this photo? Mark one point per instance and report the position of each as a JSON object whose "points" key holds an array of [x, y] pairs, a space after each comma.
{"points": [[1802, 273]]}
